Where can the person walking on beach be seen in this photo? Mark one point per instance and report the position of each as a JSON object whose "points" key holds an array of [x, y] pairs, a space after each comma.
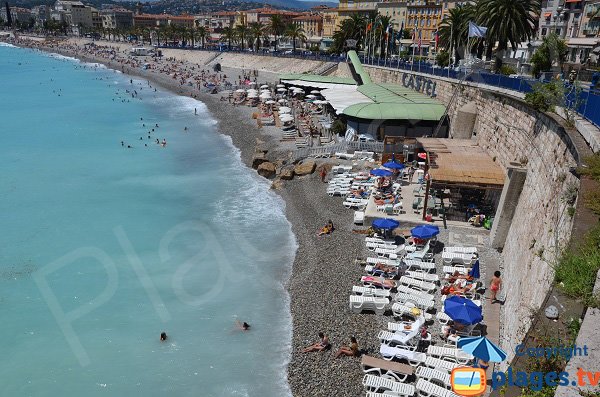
{"points": [[352, 350], [323, 344], [323, 174], [495, 286]]}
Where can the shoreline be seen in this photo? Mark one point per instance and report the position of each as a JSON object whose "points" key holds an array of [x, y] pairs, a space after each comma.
{"points": [[323, 269]]}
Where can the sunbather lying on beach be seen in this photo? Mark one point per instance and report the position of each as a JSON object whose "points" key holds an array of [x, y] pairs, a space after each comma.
{"points": [[378, 282], [382, 269], [321, 345]]}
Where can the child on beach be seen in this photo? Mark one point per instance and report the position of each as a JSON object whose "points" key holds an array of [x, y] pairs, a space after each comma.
{"points": [[495, 286]]}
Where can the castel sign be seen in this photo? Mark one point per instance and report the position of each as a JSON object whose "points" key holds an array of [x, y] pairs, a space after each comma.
{"points": [[419, 84]]}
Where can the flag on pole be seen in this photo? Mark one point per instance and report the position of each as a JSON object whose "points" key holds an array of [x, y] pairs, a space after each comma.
{"points": [[436, 36], [476, 31], [401, 31]]}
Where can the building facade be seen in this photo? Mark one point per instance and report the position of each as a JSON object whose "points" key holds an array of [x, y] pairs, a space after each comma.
{"points": [[117, 18], [423, 17], [312, 24], [395, 10]]}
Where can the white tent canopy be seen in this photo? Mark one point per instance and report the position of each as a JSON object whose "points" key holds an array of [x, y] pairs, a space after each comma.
{"points": [[343, 96]]}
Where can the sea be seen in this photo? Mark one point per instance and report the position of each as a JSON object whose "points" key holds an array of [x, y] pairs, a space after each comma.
{"points": [[108, 239]]}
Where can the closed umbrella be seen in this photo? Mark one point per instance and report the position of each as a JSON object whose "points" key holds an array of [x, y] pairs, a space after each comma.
{"points": [[474, 272], [462, 310], [385, 223], [381, 172], [425, 231], [393, 165], [482, 348]]}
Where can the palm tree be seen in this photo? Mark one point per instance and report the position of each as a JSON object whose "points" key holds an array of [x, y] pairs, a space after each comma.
{"points": [[242, 32], [454, 29], [257, 31], [352, 28], [276, 27], [201, 33], [382, 28], [508, 22], [295, 32], [228, 34]]}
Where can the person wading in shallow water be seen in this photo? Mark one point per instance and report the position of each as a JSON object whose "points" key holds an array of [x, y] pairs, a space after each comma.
{"points": [[163, 336]]}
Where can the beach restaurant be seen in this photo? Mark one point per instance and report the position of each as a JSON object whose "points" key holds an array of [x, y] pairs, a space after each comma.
{"points": [[375, 109]]}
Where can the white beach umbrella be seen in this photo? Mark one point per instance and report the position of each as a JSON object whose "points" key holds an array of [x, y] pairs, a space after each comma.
{"points": [[240, 90], [265, 96], [252, 83], [280, 86], [319, 102], [281, 90], [252, 90], [252, 95], [271, 102], [285, 109], [286, 117], [315, 92], [264, 86], [282, 100], [311, 96]]}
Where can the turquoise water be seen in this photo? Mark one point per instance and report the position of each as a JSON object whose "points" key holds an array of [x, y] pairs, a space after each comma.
{"points": [[103, 247]]}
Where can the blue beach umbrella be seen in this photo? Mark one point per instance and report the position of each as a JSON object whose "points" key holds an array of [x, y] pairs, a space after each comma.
{"points": [[385, 223], [393, 165], [381, 172], [425, 231], [481, 347], [462, 310], [474, 272]]}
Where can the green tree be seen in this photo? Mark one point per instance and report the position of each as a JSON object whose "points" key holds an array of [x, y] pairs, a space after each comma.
{"points": [[295, 32], [257, 31], [454, 28], [242, 32], [443, 58], [352, 28], [228, 35], [508, 22], [553, 50], [276, 27], [201, 33]]}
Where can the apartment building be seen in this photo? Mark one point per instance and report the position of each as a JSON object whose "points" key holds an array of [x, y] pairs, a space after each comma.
{"points": [[116, 18], [395, 10], [424, 17]]}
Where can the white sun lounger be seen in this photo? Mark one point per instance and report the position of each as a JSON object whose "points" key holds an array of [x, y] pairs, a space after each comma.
{"points": [[423, 304], [403, 289], [373, 245], [387, 393], [443, 318], [391, 251], [456, 268], [430, 373], [455, 257], [461, 250], [359, 204], [417, 284], [367, 291], [370, 269], [378, 282], [408, 340], [427, 389], [385, 261], [414, 264], [420, 275], [359, 303], [449, 352], [418, 323], [381, 383], [377, 366], [440, 364], [378, 240], [399, 310], [414, 358]]}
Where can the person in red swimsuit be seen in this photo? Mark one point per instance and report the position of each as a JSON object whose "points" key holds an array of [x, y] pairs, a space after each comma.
{"points": [[495, 286]]}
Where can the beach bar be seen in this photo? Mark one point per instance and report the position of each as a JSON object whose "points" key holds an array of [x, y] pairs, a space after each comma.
{"points": [[375, 109]]}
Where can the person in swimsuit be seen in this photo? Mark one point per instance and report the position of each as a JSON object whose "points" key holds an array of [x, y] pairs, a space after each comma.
{"points": [[349, 351], [495, 286], [243, 326], [163, 336], [323, 344]]}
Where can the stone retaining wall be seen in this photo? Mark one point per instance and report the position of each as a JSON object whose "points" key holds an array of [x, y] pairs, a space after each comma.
{"points": [[511, 132]]}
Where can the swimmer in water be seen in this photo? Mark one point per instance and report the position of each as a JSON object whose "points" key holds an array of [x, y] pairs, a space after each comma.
{"points": [[163, 336], [243, 326], [122, 143], [164, 142]]}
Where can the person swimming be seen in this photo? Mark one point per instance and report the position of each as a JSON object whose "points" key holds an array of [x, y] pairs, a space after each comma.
{"points": [[163, 336], [243, 326]]}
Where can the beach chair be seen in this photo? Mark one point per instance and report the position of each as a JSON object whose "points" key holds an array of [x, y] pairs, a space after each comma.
{"points": [[367, 291], [449, 352], [379, 240], [441, 364], [370, 269], [443, 318], [408, 340], [378, 282], [450, 257], [421, 275], [400, 310], [418, 323], [426, 388], [430, 374], [359, 217], [360, 303], [421, 254], [377, 366], [461, 250], [417, 300], [385, 261], [461, 269], [412, 264], [375, 383], [404, 289], [360, 204], [417, 284], [393, 253], [373, 245], [394, 352]]}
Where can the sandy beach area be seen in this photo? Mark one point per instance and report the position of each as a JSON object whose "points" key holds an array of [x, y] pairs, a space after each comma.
{"points": [[324, 269]]}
